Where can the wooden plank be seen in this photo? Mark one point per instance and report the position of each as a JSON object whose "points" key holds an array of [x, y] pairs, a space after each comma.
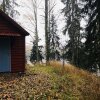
{"points": [[18, 54]]}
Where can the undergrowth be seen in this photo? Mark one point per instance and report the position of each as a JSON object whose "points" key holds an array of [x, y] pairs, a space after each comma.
{"points": [[53, 82], [70, 82]]}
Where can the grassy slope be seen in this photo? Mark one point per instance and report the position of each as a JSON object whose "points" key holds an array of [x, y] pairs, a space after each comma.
{"points": [[50, 83], [71, 83]]}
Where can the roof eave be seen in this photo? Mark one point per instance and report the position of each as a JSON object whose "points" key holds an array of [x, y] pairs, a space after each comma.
{"points": [[22, 30]]}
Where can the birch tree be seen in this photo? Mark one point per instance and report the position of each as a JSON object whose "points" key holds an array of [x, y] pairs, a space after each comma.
{"points": [[34, 21]]}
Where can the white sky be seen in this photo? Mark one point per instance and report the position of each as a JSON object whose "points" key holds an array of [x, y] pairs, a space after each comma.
{"points": [[26, 10]]}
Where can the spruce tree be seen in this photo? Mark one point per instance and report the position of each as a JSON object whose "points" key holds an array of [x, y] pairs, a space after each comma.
{"points": [[33, 57], [72, 14], [92, 10], [8, 7], [54, 40]]}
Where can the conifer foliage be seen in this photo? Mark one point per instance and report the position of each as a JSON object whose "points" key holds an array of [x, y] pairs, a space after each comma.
{"points": [[92, 9], [8, 6], [33, 57], [54, 40], [72, 14]]}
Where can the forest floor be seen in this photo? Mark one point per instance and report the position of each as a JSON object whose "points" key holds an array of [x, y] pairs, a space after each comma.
{"points": [[50, 83]]}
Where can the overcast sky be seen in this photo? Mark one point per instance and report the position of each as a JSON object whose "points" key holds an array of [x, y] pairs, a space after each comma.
{"points": [[26, 11]]}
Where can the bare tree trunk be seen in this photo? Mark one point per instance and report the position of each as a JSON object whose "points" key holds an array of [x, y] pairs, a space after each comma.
{"points": [[36, 29], [49, 13], [46, 33], [73, 55], [37, 41], [63, 58]]}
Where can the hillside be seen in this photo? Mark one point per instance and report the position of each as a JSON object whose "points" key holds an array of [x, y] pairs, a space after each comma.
{"points": [[50, 83]]}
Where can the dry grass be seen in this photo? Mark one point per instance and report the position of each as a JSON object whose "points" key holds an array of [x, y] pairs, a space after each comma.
{"points": [[71, 69], [42, 82], [86, 83]]}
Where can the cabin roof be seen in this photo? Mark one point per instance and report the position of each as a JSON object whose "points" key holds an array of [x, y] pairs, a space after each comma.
{"points": [[13, 23]]}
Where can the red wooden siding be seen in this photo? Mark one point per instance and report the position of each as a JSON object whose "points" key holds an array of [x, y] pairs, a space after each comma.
{"points": [[9, 28], [6, 29], [18, 54]]}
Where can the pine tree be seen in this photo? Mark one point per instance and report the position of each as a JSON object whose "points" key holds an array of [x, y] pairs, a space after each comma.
{"points": [[54, 40], [8, 7], [33, 57], [92, 9], [72, 17]]}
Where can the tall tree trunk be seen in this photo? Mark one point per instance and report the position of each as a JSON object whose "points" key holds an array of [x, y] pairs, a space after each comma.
{"points": [[49, 18], [46, 33], [36, 30], [72, 18], [37, 38]]}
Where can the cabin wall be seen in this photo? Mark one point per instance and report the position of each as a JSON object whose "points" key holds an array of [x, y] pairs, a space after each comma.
{"points": [[10, 29], [18, 54]]}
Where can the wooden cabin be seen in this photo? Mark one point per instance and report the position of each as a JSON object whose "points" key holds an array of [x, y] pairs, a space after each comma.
{"points": [[12, 45]]}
